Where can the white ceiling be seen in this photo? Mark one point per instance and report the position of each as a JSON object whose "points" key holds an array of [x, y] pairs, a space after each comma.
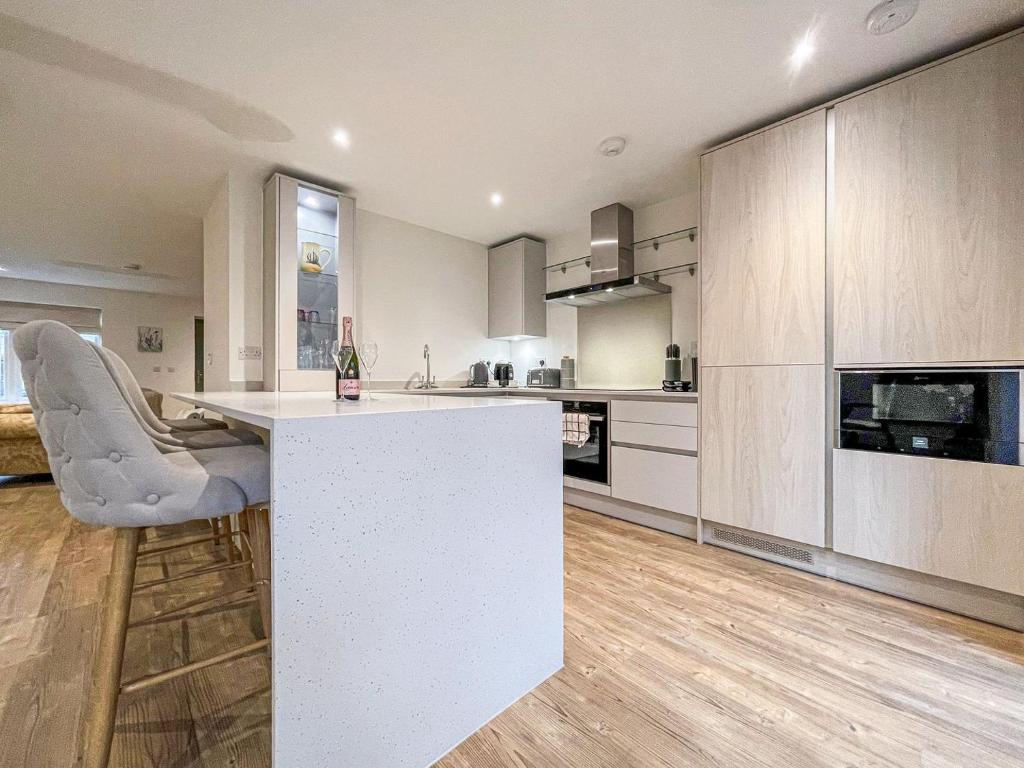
{"points": [[110, 152]]}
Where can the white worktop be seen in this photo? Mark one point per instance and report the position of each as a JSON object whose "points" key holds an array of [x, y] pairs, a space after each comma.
{"points": [[561, 394], [264, 408], [416, 567]]}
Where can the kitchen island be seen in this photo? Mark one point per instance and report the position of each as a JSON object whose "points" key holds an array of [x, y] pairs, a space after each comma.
{"points": [[416, 568]]}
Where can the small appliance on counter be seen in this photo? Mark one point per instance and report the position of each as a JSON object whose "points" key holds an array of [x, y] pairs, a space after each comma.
{"points": [[504, 374], [545, 378], [479, 374], [673, 381], [567, 376]]}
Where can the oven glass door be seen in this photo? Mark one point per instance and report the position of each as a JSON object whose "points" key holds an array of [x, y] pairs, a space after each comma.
{"points": [[589, 462]]}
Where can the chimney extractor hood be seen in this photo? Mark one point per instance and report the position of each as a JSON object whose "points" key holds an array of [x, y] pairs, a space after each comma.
{"points": [[611, 263]]}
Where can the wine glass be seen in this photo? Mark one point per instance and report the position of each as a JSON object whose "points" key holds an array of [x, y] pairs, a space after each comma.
{"points": [[341, 355], [368, 352]]}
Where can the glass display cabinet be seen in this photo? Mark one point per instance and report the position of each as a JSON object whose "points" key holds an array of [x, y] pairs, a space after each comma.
{"points": [[308, 263]]}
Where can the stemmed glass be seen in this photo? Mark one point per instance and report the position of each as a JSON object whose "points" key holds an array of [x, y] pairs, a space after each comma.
{"points": [[341, 355], [368, 352]]}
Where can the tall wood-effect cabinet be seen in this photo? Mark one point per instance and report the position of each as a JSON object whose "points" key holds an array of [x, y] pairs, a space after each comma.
{"points": [[762, 350], [308, 281], [929, 211]]}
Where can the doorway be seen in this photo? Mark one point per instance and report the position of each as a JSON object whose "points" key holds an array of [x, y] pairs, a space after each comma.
{"points": [[200, 356]]}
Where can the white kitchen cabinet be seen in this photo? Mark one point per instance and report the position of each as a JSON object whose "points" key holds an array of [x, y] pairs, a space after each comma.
{"points": [[655, 435], [308, 281], [648, 412], [653, 458], [515, 290], [655, 479]]}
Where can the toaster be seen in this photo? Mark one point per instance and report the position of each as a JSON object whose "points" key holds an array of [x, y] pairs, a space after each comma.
{"points": [[547, 378]]}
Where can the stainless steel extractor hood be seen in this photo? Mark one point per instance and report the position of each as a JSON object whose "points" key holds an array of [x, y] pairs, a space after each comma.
{"points": [[611, 263]]}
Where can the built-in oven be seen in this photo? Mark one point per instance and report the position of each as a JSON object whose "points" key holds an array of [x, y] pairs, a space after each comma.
{"points": [[590, 460], [968, 414]]}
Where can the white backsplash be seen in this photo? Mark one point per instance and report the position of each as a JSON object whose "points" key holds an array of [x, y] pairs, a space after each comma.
{"points": [[622, 344]]}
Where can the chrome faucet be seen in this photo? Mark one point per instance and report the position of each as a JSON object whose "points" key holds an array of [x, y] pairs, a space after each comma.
{"points": [[426, 383]]}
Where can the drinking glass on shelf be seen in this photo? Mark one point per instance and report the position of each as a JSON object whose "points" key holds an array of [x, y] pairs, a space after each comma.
{"points": [[368, 352]]}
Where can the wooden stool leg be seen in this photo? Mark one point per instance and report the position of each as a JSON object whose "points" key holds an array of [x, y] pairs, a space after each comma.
{"points": [[259, 533], [243, 539], [98, 725], [226, 528], [215, 524]]}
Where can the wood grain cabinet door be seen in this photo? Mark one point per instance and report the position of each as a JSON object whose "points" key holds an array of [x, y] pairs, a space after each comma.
{"points": [[762, 449], [929, 211], [763, 247], [961, 520]]}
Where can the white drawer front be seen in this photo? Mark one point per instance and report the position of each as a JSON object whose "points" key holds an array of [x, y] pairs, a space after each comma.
{"points": [[661, 480], [655, 435], [674, 414]]}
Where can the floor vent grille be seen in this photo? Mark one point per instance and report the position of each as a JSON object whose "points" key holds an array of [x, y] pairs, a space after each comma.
{"points": [[764, 545]]}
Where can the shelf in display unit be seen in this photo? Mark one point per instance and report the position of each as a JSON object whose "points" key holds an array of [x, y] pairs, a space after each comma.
{"points": [[317, 233], [317, 322]]}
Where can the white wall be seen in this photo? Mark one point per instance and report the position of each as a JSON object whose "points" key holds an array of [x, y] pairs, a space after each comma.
{"points": [[216, 306], [660, 218], [417, 286], [123, 312], [233, 280]]}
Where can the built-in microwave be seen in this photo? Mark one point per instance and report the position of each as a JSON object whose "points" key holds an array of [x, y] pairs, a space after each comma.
{"points": [[968, 414]]}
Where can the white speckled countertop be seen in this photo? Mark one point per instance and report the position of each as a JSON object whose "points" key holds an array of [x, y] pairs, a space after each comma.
{"points": [[560, 394], [417, 567], [264, 408]]}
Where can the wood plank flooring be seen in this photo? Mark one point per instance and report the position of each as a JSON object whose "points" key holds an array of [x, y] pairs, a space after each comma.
{"points": [[676, 655]]}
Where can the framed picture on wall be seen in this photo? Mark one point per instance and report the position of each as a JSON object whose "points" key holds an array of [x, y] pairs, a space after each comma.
{"points": [[151, 339]]}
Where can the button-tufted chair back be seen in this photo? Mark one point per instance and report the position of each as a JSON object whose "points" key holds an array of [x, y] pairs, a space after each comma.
{"points": [[105, 466], [131, 390]]}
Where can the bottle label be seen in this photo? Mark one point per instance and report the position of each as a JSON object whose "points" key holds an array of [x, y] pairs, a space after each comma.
{"points": [[349, 387]]}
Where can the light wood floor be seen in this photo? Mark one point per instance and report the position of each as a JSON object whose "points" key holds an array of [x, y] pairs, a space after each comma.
{"points": [[676, 655]]}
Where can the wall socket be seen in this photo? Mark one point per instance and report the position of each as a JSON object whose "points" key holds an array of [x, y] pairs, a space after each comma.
{"points": [[250, 353]]}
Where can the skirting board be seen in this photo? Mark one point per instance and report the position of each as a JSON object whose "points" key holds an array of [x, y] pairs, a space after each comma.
{"points": [[649, 517], [1000, 608]]}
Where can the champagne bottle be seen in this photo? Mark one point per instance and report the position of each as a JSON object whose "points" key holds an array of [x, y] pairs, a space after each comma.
{"points": [[347, 381]]}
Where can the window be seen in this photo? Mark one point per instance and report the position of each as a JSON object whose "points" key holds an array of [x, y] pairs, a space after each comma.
{"points": [[12, 388]]}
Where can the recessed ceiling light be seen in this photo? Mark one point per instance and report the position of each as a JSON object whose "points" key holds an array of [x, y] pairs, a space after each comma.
{"points": [[342, 139], [3, 269], [613, 146], [803, 51], [310, 202], [890, 15], [496, 199], [609, 290]]}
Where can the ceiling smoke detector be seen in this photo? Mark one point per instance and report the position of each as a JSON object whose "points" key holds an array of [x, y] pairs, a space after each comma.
{"points": [[613, 146], [890, 15]]}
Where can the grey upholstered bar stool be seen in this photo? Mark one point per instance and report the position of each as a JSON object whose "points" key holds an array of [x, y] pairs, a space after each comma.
{"points": [[109, 472], [168, 439], [133, 391]]}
